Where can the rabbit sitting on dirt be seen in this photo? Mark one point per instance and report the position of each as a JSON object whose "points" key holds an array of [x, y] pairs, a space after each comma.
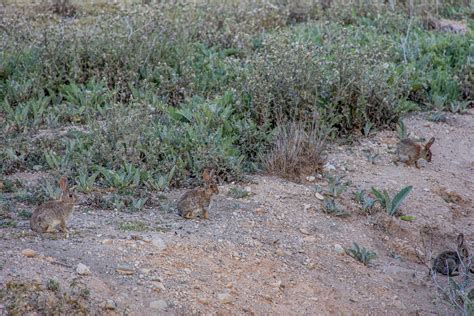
{"points": [[409, 152], [50, 214], [196, 202], [449, 262]]}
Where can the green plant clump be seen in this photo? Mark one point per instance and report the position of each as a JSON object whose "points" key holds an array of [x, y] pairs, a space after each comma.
{"points": [[361, 254], [391, 205]]}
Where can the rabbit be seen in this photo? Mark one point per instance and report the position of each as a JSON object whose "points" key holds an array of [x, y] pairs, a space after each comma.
{"points": [[408, 151], [196, 202], [448, 262], [50, 214]]}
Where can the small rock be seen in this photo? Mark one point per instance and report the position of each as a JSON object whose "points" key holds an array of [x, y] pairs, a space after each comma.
{"points": [[304, 231], [260, 211], [248, 189], [203, 300], [30, 253], [124, 269], [319, 196], [399, 304], [146, 238], [158, 242], [159, 305], [107, 242], [276, 284], [309, 239], [225, 298], [339, 249], [145, 271], [310, 178], [306, 207], [158, 286], [279, 252], [328, 166], [110, 304], [82, 269]]}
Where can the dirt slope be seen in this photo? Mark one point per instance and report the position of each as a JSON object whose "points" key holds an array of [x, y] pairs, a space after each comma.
{"points": [[272, 252]]}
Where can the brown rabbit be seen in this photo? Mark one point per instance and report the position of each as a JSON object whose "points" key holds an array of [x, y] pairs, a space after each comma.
{"points": [[408, 151], [50, 214], [449, 262], [196, 202]]}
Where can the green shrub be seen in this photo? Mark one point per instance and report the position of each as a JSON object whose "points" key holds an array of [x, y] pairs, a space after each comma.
{"points": [[361, 254], [391, 205]]}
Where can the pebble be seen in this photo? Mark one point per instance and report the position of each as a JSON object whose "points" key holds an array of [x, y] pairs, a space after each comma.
{"points": [[277, 284], [110, 304], [203, 300], [304, 231], [30, 253], [319, 196], [158, 286], [82, 269], [248, 189], [310, 178], [260, 211], [159, 305], [309, 238], [124, 269], [158, 242], [107, 242], [328, 166], [339, 249], [225, 298]]}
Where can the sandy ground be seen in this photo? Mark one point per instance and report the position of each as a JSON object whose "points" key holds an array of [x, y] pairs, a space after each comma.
{"points": [[273, 252]]}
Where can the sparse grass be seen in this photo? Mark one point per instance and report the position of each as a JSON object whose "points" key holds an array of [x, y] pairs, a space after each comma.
{"points": [[438, 117], [371, 157], [24, 214], [239, 193], [330, 207], [361, 254], [7, 223], [52, 285], [8, 186], [19, 298], [136, 226]]}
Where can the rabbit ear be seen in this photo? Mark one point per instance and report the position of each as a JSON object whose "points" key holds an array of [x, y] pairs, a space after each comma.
{"points": [[429, 143], [63, 183], [205, 176], [460, 240]]}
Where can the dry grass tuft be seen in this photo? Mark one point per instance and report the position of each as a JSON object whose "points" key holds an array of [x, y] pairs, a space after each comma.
{"points": [[298, 150]]}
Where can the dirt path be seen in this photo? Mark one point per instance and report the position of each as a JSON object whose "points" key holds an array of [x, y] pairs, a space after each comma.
{"points": [[274, 252]]}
